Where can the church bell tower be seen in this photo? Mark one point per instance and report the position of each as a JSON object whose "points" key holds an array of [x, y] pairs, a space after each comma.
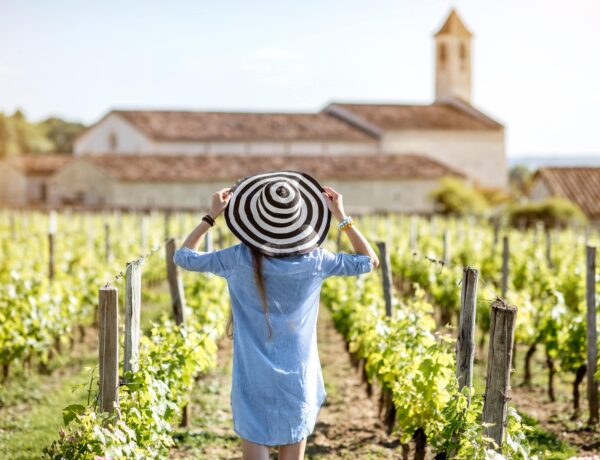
{"points": [[453, 59]]}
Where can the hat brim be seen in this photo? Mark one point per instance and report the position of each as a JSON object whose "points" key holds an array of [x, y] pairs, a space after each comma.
{"points": [[254, 226]]}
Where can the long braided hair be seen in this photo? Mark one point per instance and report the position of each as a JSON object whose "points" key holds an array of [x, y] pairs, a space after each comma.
{"points": [[257, 258]]}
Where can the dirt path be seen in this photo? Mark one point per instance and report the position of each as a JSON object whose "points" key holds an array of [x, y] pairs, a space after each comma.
{"points": [[347, 426]]}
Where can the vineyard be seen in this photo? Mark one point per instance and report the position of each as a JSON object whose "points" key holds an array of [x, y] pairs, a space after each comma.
{"points": [[473, 340]]}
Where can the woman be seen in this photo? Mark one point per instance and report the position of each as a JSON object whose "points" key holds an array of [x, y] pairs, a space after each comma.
{"points": [[274, 277]]}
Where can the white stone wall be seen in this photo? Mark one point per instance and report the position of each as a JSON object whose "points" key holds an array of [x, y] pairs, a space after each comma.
{"points": [[13, 186], [359, 196], [97, 138], [35, 185], [81, 180], [539, 191], [478, 154]]}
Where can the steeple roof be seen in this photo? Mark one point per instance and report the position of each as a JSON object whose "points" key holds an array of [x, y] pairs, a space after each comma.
{"points": [[454, 26]]}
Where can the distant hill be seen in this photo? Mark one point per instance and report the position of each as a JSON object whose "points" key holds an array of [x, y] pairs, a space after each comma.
{"points": [[535, 161]]}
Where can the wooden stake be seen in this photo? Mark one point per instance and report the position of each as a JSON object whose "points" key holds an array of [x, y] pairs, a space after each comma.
{"points": [[497, 390], [384, 259], [549, 247], [178, 304], [51, 256], [167, 224], [413, 233], [107, 242], [465, 344], [592, 350], [446, 256], [505, 254], [108, 347], [208, 242], [133, 298], [144, 232], [175, 284], [51, 233]]}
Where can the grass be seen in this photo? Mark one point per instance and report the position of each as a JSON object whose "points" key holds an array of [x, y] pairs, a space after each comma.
{"points": [[545, 444], [28, 426], [31, 404]]}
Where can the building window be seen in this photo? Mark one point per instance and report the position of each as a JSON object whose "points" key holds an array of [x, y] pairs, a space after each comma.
{"points": [[113, 142], [43, 192], [442, 54], [463, 56]]}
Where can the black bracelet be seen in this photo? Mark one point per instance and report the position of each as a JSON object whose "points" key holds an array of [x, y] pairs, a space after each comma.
{"points": [[209, 220]]}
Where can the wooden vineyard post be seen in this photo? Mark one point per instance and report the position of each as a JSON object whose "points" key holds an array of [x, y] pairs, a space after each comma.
{"points": [[497, 388], [385, 400], [167, 225], [133, 298], [178, 303], [208, 242], [144, 232], [592, 351], [384, 258], [496, 230], [413, 233], [51, 234], [465, 343], [505, 254], [549, 247], [108, 347], [446, 255], [13, 225], [107, 241]]}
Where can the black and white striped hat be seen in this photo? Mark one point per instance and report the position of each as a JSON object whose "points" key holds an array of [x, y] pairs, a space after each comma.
{"points": [[282, 213]]}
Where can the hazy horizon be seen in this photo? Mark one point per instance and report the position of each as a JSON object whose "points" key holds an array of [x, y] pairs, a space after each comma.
{"points": [[535, 65]]}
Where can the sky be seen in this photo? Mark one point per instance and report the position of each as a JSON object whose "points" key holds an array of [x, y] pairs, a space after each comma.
{"points": [[536, 63]]}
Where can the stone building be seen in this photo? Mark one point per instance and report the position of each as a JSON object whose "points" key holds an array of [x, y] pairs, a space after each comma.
{"points": [[450, 130], [368, 183], [581, 185], [24, 178], [382, 156]]}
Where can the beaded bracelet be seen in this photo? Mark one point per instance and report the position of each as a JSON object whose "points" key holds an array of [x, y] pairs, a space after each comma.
{"points": [[347, 226], [346, 223]]}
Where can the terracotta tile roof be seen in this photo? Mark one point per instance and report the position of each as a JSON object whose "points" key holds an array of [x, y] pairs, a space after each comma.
{"points": [[439, 115], [181, 168], [578, 184], [454, 26], [242, 126], [38, 164]]}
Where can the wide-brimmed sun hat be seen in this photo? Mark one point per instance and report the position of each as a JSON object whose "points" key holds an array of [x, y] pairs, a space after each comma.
{"points": [[281, 213]]}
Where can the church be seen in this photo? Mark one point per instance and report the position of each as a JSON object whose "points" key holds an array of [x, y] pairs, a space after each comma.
{"points": [[380, 156]]}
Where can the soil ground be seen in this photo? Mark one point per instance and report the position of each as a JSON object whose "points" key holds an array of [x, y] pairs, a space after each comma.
{"points": [[347, 426]]}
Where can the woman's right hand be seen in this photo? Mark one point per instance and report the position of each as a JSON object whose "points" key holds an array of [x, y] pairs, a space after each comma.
{"points": [[334, 202], [219, 201]]}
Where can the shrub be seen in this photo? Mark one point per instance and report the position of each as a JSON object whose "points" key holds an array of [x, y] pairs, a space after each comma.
{"points": [[454, 196], [553, 212]]}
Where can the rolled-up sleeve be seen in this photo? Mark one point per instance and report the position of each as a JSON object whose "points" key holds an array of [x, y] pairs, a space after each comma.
{"points": [[342, 264], [219, 262]]}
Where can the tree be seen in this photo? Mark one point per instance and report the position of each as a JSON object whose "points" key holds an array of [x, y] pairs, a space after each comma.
{"points": [[61, 133], [18, 136], [454, 196]]}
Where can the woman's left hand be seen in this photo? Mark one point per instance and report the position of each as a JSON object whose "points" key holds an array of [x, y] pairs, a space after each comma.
{"points": [[219, 201]]}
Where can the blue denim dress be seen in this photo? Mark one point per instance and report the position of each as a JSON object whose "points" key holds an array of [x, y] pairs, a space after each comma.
{"points": [[277, 385]]}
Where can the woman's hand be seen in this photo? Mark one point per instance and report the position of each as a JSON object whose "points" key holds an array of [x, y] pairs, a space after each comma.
{"points": [[334, 202], [219, 201]]}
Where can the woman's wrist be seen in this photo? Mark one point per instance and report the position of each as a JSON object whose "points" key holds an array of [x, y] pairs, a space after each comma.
{"points": [[340, 216]]}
